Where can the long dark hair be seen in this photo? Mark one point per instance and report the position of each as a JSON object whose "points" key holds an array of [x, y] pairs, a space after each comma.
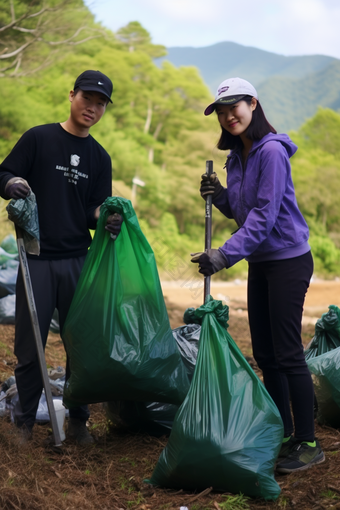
{"points": [[257, 129]]}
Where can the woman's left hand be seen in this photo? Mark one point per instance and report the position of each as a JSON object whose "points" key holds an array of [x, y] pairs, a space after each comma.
{"points": [[210, 261]]}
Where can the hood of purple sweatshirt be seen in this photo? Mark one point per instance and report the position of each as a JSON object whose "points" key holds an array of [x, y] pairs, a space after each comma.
{"points": [[260, 196]]}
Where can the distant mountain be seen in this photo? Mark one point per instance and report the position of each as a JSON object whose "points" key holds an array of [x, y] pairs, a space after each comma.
{"points": [[290, 88]]}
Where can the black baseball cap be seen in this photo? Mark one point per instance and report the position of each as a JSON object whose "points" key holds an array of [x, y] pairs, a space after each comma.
{"points": [[94, 81]]}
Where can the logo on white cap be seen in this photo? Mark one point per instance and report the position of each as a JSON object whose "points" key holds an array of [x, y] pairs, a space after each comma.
{"points": [[222, 89]]}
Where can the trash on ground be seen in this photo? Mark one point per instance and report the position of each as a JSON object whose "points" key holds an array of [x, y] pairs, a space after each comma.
{"points": [[156, 418]]}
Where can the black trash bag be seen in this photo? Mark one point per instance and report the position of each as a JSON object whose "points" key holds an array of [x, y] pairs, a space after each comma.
{"points": [[153, 418], [156, 418], [54, 326]]}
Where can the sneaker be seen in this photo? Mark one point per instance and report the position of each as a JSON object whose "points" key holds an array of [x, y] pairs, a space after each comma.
{"points": [[286, 448], [77, 431], [24, 434], [303, 456]]}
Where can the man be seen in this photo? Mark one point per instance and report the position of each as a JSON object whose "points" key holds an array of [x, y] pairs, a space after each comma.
{"points": [[70, 175]]}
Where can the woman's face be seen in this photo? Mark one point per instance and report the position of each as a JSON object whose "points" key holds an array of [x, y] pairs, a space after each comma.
{"points": [[236, 118]]}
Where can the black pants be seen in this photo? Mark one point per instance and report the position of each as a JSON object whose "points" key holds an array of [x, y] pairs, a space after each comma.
{"points": [[276, 294], [54, 283]]}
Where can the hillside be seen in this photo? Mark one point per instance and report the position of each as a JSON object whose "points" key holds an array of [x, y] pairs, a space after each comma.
{"points": [[290, 88], [155, 130]]}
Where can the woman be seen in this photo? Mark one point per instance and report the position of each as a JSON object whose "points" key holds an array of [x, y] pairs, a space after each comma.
{"points": [[273, 238]]}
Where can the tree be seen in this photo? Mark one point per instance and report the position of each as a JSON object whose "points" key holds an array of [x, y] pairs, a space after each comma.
{"points": [[134, 36], [31, 32]]}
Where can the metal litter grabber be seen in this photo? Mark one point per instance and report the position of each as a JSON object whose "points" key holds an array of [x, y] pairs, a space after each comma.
{"points": [[37, 335], [208, 223]]}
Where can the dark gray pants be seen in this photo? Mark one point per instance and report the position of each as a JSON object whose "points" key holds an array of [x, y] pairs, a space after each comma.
{"points": [[54, 283]]}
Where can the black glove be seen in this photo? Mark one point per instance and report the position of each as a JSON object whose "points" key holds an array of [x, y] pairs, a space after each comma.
{"points": [[209, 262], [114, 224], [210, 185], [17, 188]]}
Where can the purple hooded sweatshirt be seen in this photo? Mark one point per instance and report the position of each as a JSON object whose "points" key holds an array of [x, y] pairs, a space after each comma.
{"points": [[261, 199]]}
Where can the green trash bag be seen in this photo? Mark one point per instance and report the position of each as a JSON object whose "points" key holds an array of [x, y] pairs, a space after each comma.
{"points": [[323, 360], [327, 334], [117, 333], [323, 357], [24, 213], [228, 431]]}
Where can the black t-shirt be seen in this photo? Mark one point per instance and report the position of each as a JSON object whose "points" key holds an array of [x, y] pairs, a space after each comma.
{"points": [[70, 176]]}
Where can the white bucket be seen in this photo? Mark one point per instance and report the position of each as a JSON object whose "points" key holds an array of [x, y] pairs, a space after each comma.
{"points": [[60, 414]]}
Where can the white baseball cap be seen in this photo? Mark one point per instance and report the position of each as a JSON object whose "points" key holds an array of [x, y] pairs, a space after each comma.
{"points": [[231, 91]]}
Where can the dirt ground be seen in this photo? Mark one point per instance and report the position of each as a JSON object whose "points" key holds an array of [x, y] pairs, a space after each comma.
{"points": [[109, 474]]}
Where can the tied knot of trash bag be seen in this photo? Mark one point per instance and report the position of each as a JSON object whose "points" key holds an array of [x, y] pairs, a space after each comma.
{"points": [[327, 334], [118, 205], [329, 320], [211, 306]]}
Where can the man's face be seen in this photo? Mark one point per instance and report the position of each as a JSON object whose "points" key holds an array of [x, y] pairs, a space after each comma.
{"points": [[87, 108]]}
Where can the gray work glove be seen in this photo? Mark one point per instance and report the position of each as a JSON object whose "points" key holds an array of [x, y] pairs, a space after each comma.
{"points": [[210, 185], [114, 224], [210, 261], [17, 188]]}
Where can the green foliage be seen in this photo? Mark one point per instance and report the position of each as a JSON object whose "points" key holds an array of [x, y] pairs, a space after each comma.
{"points": [[326, 256], [329, 494], [316, 174], [134, 36], [32, 33], [237, 502], [155, 130]]}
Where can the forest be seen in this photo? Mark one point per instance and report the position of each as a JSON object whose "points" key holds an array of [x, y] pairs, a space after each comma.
{"points": [[155, 129]]}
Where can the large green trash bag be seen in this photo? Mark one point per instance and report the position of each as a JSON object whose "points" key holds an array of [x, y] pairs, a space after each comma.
{"points": [[327, 334], [325, 371], [117, 333], [228, 431]]}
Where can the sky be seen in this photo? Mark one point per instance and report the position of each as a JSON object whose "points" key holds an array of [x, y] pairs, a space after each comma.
{"points": [[286, 27]]}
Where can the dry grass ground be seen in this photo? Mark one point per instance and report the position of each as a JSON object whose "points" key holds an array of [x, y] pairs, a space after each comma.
{"points": [[109, 475]]}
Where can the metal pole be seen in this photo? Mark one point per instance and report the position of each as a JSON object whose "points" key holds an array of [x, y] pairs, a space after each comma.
{"points": [[37, 336], [208, 221]]}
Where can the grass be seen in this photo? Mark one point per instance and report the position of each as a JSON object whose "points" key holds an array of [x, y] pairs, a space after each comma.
{"points": [[329, 494], [6, 349], [237, 502], [283, 502]]}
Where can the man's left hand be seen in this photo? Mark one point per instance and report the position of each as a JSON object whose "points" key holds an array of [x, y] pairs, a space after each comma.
{"points": [[209, 262], [114, 224]]}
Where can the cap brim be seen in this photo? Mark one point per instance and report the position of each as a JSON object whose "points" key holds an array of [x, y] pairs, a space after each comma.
{"points": [[209, 109], [224, 101], [95, 89]]}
